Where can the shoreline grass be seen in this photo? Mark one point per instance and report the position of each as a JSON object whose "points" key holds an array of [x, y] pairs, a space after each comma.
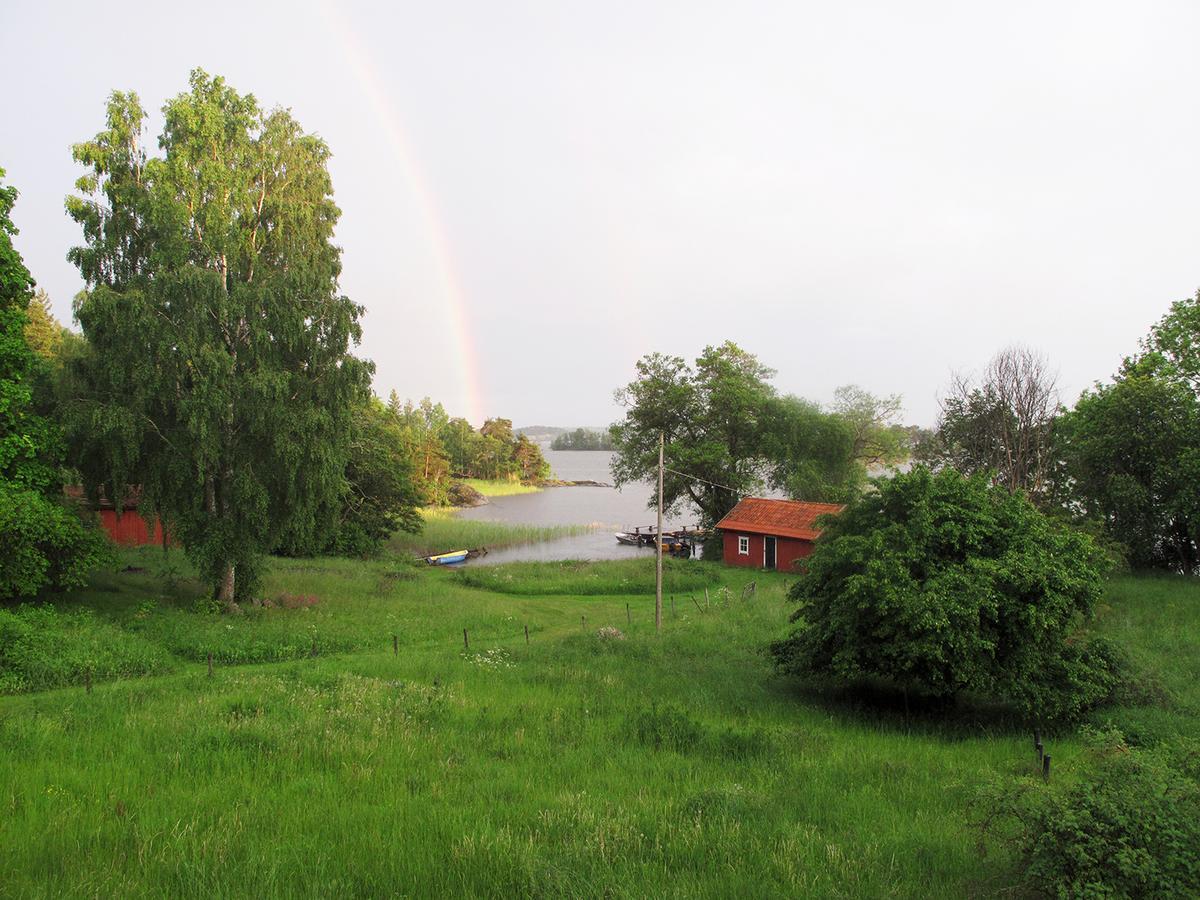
{"points": [[501, 487], [444, 531]]}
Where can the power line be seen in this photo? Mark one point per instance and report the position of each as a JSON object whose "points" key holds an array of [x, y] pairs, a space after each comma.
{"points": [[702, 480]]}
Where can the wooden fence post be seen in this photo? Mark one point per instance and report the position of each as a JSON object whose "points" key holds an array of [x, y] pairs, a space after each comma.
{"points": [[466, 643], [526, 634]]}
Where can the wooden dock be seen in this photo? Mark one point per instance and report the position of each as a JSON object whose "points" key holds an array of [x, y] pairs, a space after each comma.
{"points": [[681, 541]]}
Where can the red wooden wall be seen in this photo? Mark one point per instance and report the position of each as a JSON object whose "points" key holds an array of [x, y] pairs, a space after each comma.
{"points": [[787, 551], [130, 529]]}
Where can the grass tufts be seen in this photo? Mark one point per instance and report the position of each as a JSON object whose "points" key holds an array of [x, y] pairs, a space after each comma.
{"points": [[591, 579], [443, 531]]}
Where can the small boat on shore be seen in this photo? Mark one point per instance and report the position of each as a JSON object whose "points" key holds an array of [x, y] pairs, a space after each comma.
{"points": [[448, 559], [628, 537]]}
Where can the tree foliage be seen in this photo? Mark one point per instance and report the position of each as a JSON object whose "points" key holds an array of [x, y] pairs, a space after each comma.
{"points": [[1002, 423], [944, 583], [43, 332], [218, 374], [1131, 449], [1172, 349], [42, 542], [442, 448], [582, 439], [727, 434], [809, 454], [1133, 456], [382, 493], [874, 423]]}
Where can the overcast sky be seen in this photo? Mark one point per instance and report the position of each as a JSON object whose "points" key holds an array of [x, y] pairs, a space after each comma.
{"points": [[536, 194]]}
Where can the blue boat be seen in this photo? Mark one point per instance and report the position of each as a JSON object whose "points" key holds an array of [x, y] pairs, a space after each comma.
{"points": [[448, 559]]}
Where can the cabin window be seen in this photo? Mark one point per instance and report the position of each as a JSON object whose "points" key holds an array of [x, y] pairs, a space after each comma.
{"points": [[743, 545]]}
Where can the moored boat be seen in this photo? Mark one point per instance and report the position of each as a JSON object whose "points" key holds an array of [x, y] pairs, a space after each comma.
{"points": [[448, 559]]}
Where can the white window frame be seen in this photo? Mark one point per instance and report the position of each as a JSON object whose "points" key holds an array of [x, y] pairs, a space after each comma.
{"points": [[743, 545]]}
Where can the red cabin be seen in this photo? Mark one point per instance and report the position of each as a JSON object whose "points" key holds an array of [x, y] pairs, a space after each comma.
{"points": [[771, 534], [129, 529]]}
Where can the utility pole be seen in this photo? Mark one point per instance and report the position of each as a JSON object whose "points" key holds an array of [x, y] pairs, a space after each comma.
{"points": [[658, 542]]}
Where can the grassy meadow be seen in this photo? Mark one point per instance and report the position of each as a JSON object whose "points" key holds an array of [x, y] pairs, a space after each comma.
{"points": [[678, 765]]}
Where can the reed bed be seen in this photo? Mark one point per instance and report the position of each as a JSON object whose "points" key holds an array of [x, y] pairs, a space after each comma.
{"points": [[443, 531]]}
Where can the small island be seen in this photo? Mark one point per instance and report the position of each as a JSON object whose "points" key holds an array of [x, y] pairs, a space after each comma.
{"points": [[583, 439]]}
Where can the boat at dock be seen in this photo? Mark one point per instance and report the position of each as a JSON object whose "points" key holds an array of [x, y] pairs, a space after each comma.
{"points": [[681, 542]]}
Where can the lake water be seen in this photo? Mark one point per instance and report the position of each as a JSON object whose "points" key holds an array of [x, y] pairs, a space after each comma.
{"points": [[606, 509]]}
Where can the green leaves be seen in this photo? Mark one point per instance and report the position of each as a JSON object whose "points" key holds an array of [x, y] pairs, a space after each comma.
{"points": [[944, 583], [219, 376], [1128, 827], [42, 543], [1133, 450], [729, 432]]}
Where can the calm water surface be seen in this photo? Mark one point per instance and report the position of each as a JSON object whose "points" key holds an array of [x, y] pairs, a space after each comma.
{"points": [[605, 508]]}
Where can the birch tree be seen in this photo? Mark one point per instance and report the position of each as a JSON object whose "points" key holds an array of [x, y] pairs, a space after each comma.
{"points": [[219, 376]]}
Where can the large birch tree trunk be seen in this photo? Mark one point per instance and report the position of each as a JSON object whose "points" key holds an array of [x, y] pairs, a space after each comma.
{"points": [[225, 589]]}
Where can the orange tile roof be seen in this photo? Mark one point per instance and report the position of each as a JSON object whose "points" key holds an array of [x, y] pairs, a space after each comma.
{"points": [[783, 518]]}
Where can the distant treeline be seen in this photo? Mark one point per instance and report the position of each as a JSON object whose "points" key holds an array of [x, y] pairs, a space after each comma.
{"points": [[582, 439], [442, 447]]}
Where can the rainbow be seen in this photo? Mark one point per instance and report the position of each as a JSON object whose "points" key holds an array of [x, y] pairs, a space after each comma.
{"points": [[358, 60]]}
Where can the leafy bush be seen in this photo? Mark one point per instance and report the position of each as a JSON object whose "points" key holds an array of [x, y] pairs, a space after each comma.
{"points": [[44, 544], [943, 583], [42, 647], [1129, 828]]}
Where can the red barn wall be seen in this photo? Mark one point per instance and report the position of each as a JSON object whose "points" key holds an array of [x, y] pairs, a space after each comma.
{"points": [[787, 551], [131, 530]]}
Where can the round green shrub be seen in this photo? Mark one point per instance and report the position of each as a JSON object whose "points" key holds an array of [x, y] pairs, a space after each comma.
{"points": [[943, 583]]}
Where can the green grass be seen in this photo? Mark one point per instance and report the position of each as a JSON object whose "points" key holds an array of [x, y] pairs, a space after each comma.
{"points": [[44, 647], [444, 531], [1157, 620], [578, 578], [500, 487], [678, 765]]}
